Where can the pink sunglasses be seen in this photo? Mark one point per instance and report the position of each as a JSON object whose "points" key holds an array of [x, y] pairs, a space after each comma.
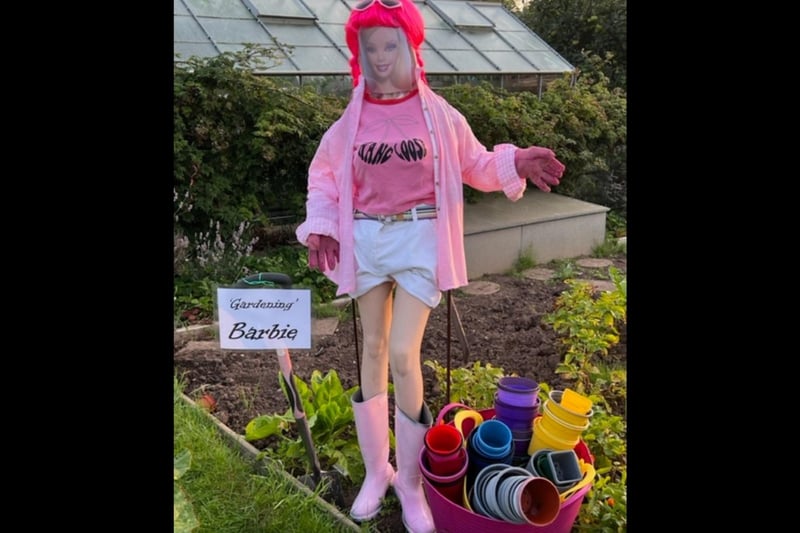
{"points": [[388, 4]]}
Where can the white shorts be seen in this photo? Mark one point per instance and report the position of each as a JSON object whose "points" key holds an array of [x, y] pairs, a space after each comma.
{"points": [[402, 251]]}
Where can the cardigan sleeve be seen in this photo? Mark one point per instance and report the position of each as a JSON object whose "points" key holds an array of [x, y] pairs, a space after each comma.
{"points": [[485, 170], [322, 214]]}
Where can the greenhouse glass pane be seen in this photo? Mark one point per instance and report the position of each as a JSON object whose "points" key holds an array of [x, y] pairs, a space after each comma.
{"points": [[548, 62], [335, 32], [219, 8], [468, 61], [446, 39], [432, 19], [281, 8], [537, 42], [235, 31], [525, 41], [298, 35], [186, 29], [485, 40], [435, 63], [329, 10], [346, 51], [462, 14], [319, 59], [503, 20], [178, 8], [509, 61]]}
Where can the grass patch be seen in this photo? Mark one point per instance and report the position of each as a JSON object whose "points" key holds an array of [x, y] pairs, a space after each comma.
{"points": [[227, 495], [610, 247], [523, 262], [330, 309]]}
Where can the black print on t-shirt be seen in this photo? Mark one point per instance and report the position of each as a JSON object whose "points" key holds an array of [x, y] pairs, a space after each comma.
{"points": [[412, 150], [374, 153]]}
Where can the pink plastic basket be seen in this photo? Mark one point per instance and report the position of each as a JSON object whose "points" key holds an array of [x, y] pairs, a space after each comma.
{"points": [[452, 518]]}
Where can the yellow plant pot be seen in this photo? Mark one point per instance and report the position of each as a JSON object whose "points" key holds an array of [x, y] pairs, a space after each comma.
{"points": [[558, 427], [567, 415], [543, 439]]}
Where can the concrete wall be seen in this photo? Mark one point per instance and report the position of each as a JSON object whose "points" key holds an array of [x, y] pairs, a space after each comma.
{"points": [[544, 226]]}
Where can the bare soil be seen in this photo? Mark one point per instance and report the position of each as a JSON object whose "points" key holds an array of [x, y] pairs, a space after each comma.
{"points": [[504, 328]]}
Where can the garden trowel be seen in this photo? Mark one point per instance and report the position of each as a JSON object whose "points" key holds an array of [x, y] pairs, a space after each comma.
{"points": [[278, 280]]}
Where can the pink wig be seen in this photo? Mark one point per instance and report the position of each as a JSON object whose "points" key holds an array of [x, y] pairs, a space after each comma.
{"points": [[407, 17]]}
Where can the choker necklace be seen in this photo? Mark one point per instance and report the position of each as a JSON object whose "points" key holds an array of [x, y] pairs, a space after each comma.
{"points": [[396, 94]]}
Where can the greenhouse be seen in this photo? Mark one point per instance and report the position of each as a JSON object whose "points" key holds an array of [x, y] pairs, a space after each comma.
{"points": [[465, 41]]}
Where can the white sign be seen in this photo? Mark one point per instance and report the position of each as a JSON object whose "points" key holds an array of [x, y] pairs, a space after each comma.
{"points": [[264, 319]]}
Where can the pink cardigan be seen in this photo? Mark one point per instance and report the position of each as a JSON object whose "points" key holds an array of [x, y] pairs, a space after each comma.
{"points": [[458, 158]]}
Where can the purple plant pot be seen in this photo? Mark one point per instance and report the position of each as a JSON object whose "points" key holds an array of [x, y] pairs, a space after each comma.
{"points": [[517, 418], [518, 391]]}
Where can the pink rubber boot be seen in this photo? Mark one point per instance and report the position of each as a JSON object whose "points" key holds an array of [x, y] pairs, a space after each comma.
{"points": [[409, 436], [372, 429]]}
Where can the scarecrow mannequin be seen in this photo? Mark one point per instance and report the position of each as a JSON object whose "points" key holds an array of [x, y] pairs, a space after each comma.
{"points": [[384, 221]]}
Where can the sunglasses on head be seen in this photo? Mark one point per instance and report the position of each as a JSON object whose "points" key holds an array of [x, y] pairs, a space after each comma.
{"points": [[388, 4]]}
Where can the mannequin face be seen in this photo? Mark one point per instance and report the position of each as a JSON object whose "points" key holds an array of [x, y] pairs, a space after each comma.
{"points": [[386, 58], [382, 48]]}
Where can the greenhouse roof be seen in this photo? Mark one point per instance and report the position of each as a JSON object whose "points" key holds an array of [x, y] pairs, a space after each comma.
{"points": [[461, 37]]}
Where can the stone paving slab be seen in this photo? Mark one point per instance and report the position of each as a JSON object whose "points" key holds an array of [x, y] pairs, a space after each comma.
{"points": [[542, 274], [601, 284], [199, 346], [481, 287], [593, 262]]}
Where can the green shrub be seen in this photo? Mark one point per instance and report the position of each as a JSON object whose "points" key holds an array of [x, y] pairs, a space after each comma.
{"points": [[597, 36], [242, 141], [588, 324]]}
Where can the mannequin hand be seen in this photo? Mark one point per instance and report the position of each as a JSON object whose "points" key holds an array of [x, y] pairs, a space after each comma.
{"points": [[323, 252], [539, 165]]}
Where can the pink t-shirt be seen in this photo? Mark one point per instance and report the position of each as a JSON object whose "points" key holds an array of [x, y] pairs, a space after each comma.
{"points": [[393, 164]]}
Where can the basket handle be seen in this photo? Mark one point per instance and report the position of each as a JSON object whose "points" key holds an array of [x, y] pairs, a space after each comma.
{"points": [[447, 408], [468, 414], [589, 474]]}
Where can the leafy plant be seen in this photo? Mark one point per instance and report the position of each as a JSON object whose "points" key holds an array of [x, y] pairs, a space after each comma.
{"points": [[194, 299], [185, 519], [605, 436], [473, 386], [330, 420], [566, 269], [616, 225], [606, 507], [589, 325], [610, 386]]}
